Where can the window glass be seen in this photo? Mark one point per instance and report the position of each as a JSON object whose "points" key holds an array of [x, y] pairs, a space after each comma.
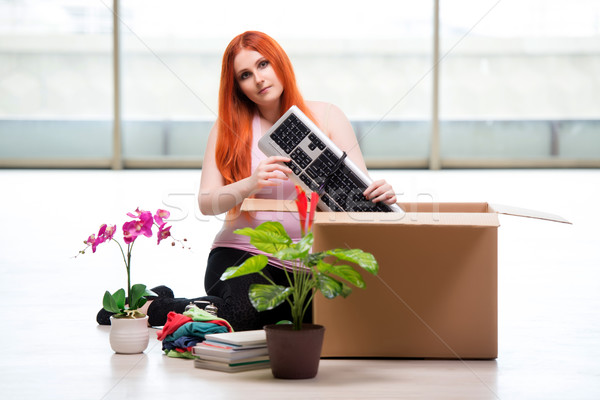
{"points": [[55, 79], [519, 79], [372, 60]]}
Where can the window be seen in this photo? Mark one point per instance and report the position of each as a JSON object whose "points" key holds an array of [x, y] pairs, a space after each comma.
{"points": [[56, 81], [372, 61], [517, 82]]}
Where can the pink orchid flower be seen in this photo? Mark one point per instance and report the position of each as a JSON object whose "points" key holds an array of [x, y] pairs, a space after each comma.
{"points": [[90, 240], [160, 216], [141, 226], [100, 238], [105, 234], [110, 232], [146, 223], [163, 232], [136, 215], [130, 232]]}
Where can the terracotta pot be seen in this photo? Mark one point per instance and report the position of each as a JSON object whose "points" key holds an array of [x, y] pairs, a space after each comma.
{"points": [[294, 354], [129, 335]]}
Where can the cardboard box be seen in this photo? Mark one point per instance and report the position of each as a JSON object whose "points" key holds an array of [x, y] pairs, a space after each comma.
{"points": [[436, 294]]}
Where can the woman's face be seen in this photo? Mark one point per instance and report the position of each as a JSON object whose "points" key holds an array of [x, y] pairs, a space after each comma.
{"points": [[257, 78]]}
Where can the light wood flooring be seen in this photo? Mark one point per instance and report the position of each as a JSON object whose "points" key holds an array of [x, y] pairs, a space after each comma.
{"points": [[549, 292]]}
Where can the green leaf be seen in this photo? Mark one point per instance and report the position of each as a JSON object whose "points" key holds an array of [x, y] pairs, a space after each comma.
{"points": [[269, 236], [137, 296], [329, 286], [313, 259], [297, 250], [346, 290], [357, 256], [267, 297], [109, 303], [250, 266], [119, 297], [343, 271]]}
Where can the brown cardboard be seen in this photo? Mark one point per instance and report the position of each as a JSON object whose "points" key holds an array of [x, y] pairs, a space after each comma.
{"points": [[436, 292]]}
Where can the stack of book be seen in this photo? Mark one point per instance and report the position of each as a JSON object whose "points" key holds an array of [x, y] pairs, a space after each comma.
{"points": [[232, 351]]}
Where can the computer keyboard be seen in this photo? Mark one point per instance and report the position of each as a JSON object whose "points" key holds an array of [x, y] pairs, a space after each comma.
{"points": [[319, 165]]}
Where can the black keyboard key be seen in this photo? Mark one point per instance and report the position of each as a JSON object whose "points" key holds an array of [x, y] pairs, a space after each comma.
{"points": [[304, 178], [327, 200], [301, 158], [323, 165], [316, 142], [312, 173], [303, 130], [294, 167], [290, 134], [309, 182]]}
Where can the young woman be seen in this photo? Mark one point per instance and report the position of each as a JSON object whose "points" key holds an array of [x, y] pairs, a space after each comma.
{"points": [[257, 86]]}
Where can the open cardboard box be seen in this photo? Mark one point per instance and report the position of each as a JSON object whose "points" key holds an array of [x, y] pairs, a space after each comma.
{"points": [[436, 294]]}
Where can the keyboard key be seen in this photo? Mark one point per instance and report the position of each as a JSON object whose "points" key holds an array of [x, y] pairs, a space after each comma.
{"points": [[304, 178], [301, 158], [316, 142], [294, 167]]}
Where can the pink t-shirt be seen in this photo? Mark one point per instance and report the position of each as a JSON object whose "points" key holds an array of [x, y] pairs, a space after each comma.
{"points": [[286, 191]]}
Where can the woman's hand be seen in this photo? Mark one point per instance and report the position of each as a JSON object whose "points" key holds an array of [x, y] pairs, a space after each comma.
{"points": [[268, 171], [380, 191]]}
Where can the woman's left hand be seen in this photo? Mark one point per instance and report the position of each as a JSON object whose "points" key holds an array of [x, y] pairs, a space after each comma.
{"points": [[380, 191]]}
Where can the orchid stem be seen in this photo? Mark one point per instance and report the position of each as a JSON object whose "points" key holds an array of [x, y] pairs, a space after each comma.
{"points": [[128, 267]]}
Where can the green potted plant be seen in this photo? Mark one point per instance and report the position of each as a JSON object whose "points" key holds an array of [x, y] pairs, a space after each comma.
{"points": [[129, 326], [327, 272]]}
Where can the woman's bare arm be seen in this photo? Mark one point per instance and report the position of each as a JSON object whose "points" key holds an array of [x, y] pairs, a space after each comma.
{"points": [[215, 197]]}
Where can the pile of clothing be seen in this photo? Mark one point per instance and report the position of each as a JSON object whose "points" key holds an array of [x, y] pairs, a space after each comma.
{"points": [[183, 331]]}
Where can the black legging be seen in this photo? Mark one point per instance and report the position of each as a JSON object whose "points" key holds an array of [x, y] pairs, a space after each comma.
{"points": [[230, 296]]}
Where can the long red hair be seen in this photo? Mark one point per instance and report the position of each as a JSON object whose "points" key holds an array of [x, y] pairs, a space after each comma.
{"points": [[234, 141]]}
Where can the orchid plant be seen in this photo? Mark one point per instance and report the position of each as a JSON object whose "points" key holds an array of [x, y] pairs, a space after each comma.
{"points": [[311, 272], [126, 304]]}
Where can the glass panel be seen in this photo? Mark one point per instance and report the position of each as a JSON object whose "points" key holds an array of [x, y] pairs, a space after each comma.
{"points": [[518, 79], [372, 61], [56, 79]]}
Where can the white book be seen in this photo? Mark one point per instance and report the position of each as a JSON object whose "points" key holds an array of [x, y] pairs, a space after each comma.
{"points": [[235, 367], [233, 362], [241, 338], [228, 355], [229, 346]]}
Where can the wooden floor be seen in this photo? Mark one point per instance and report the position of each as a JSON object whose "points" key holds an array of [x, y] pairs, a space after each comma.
{"points": [[549, 292]]}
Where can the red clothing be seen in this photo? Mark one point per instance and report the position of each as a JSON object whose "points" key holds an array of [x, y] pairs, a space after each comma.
{"points": [[174, 321]]}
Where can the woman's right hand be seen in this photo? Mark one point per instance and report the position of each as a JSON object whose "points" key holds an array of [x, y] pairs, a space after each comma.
{"points": [[269, 172]]}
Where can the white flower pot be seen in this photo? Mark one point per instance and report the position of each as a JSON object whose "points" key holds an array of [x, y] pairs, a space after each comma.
{"points": [[129, 336]]}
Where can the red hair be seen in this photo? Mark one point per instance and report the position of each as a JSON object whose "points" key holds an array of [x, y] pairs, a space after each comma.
{"points": [[234, 141]]}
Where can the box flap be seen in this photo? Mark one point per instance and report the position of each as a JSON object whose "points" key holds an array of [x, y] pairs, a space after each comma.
{"points": [[523, 212]]}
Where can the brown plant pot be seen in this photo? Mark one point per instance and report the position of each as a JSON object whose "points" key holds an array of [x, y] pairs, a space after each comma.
{"points": [[294, 354]]}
